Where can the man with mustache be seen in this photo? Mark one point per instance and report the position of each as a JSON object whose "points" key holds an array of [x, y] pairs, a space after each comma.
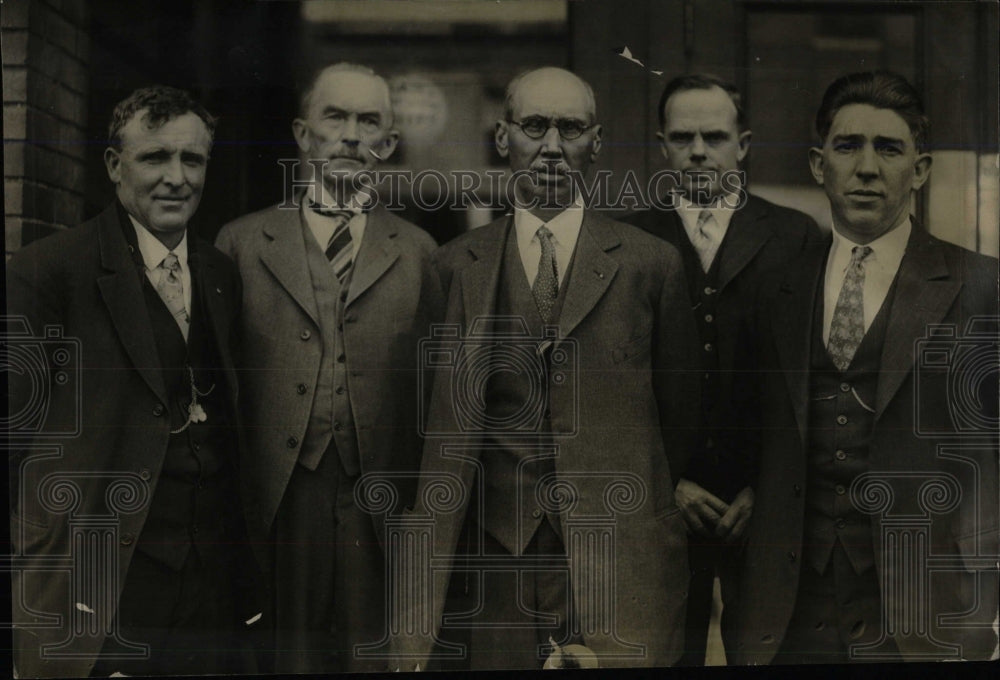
{"points": [[337, 293], [862, 479], [602, 408], [728, 238], [152, 310]]}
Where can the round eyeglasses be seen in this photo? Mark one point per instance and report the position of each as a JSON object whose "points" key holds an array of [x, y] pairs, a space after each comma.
{"points": [[535, 127]]}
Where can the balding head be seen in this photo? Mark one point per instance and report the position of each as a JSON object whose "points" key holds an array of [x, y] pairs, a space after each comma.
{"points": [[554, 84]]}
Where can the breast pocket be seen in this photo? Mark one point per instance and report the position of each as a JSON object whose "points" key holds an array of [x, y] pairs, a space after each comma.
{"points": [[638, 345]]}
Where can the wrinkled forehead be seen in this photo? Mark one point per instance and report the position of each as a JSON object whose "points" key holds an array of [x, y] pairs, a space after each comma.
{"points": [[869, 122], [351, 91], [553, 94], [184, 131]]}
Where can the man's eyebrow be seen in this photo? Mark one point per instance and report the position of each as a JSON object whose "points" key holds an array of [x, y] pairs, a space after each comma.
{"points": [[888, 141], [855, 138]]}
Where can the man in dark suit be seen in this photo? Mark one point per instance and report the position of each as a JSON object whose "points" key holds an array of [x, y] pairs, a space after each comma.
{"points": [[570, 401], [874, 536], [337, 293], [139, 501], [728, 239]]}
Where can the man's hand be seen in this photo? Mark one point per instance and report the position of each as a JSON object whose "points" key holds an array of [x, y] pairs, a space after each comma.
{"points": [[732, 525], [700, 509]]}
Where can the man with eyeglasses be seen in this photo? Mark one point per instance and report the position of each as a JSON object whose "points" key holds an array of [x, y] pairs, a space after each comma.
{"points": [[567, 465], [337, 293]]}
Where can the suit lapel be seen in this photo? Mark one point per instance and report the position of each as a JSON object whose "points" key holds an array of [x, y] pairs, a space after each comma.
{"points": [[792, 323], [745, 237], [924, 293], [593, 270], [377, 253], [285, 256], [481, 278], [122, 293], [209, 284]]}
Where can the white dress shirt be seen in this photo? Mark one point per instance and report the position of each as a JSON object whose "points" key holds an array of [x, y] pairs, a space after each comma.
{"points": [[153, 252], [880, 266], [322, 227], [565, 228]]}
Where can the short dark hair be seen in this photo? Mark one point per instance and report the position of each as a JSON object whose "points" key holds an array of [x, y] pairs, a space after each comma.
{"points": [[702, 81], [162, 104], [881, 89]]}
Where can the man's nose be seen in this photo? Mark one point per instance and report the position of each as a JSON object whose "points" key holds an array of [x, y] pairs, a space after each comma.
{"points": [[551, 142], [867, 162], [350, 131], [698, 147], [173, 172]]}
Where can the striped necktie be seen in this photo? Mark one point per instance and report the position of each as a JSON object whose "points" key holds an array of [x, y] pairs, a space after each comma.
{"points": [[339, 250]]}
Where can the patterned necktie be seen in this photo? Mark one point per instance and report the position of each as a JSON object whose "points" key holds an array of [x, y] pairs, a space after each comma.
{"points": [[706, 238], [546, 285], [338, 249], [848, 326], [171, 290]]}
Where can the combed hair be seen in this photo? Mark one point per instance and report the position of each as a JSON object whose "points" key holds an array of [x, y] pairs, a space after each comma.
{"points": [[305, 99], [702, 81], [881, 89], [162, 104]]}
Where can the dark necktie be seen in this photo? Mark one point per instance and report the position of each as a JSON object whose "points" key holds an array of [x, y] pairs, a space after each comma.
{"points": [[338, 249], [546, 285], [848, 326]]}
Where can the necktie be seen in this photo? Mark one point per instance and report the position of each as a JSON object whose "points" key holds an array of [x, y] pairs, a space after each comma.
{"points": [[546, 285], [338, 249], [706, 238], [171, 290], [848, 325]]}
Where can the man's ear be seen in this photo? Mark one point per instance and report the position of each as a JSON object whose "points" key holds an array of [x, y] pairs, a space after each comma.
{"points": [[816, 164], [921, 170], [300, 130], [501, 138], [595, 145], [744, 145], [113, 162], [388, 145]]}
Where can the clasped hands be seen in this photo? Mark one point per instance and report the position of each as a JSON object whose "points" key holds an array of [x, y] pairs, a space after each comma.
{"points": [[707, 515]]}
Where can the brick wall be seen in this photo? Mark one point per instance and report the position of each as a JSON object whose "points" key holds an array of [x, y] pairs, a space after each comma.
{"points": [[45, 48]]}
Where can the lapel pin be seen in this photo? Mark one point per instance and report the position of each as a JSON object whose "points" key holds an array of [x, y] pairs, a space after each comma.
{"points": [[600, 274], [219, 291]]}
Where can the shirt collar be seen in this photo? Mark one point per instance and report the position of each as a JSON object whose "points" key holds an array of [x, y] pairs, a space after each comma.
{"points": [[153, 251], [887, 249], [565, 226], [316, 193]]}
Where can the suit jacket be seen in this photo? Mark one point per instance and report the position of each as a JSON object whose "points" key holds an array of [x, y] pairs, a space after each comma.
{"points": [[761, 237], [632, 403], [393, 298], [84, 284], [915, 411]]}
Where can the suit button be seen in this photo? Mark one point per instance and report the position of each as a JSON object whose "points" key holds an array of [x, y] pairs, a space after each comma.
{"points": [[844, 387], [767, 639], [144, 474], [842, 420], [292, 442], [341, 358], [709, 318], [708, 376], [840, 523], [709, 290], [305, 335], [840, 455], [708, 347], [791, 556], [127, 540], [337, 427], [797, 490], [158, 410], [536, 513], [840, 489], [340, 389], [301, 389]]}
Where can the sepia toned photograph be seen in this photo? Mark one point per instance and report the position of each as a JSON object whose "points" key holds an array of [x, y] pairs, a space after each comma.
{"points": [[455, 336]]}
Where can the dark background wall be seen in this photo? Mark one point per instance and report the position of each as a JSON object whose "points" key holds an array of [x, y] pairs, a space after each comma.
{"points": [[66, 62]]}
